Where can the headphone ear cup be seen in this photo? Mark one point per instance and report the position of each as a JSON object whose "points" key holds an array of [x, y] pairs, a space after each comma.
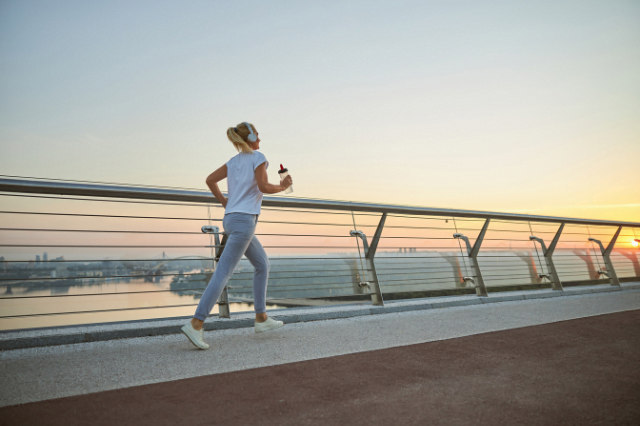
{"points": [[251, 138]]}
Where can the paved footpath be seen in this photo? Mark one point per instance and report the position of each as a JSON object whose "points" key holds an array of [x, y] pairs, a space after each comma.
{"points": [[37, 374], [578, 372]]}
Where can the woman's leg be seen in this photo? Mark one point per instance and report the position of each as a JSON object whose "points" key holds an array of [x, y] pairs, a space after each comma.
{"points": [[258, 258], [240, 229], [260, 261]]}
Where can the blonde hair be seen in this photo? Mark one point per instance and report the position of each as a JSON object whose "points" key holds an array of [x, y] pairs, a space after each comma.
{"points": [[238, 137]]}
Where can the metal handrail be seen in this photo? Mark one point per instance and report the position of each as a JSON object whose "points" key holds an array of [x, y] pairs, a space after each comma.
{"points": [[466, 265], [116, 191]]}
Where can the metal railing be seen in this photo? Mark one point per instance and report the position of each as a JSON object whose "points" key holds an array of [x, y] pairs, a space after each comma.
{"points": [[321, 251]]}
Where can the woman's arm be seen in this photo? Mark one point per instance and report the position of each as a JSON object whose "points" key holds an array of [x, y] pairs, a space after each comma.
{"points": [[212, 183], [263, 181]]}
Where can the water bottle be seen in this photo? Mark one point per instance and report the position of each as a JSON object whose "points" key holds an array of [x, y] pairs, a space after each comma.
{"points": [[283, 174]]}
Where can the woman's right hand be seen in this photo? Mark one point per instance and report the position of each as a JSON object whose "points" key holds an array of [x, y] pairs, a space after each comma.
{"points": [[286, 182]]}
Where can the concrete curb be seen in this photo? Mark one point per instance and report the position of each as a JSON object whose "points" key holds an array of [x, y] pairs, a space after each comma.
{"points": [[21, 339]]}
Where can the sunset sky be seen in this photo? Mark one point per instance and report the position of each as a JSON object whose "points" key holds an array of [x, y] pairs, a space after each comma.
{"points": [[529, 107]]}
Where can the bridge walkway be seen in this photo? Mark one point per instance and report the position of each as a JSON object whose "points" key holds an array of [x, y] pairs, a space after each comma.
{"points": [[532, 359]]}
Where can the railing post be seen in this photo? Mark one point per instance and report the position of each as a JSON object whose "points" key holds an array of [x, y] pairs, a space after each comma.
{"points": [[556, 284], [376, 237], [223, 301], [481, 289], [369, 253], [606, 255], [376, 296]]}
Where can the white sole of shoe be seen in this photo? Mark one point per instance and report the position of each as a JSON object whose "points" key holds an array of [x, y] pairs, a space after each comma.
{"points": [[274, 327], [192, 341]]}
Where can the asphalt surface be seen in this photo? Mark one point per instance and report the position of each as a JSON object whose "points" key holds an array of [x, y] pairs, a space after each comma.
{"points": [[37, 374], [577, 372]]}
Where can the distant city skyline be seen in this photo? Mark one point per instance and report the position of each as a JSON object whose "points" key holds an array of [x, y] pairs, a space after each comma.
{"points": [[496, 106]]}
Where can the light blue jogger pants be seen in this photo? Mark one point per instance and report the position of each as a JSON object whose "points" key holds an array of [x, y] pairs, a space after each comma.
{"points": [[240, 227]]}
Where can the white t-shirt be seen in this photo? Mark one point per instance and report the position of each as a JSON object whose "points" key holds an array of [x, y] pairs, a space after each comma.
{"points": [[244, 196]]}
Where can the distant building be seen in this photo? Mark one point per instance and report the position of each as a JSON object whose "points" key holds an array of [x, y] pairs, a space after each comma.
{"points": [[45, 257], [408, 250], [37, 258], [61, 269]]}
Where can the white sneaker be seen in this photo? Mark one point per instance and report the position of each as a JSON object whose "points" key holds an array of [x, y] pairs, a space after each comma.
{"points": [[269, 324], [195, 336]]}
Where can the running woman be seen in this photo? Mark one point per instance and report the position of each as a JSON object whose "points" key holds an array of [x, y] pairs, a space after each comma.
{"points": [[247, 181]]}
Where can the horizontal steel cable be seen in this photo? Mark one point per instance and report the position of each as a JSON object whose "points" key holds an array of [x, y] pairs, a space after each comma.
{"points": [[427, 269], [102, 294], [505, 279], [107, 216], [100, 246], [102, 231], [454, 278], [203, 246], [485, 274], [283, 258], [419, 273], [388, 283], [168, 260], [219, 220], [298, 278], [232, 280], [139, 276], [96, 311], [440, 218], [572, 273], [282, 272], [36, 279], [149, 276], [166, 232], [301, 287], [310, 286]]}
